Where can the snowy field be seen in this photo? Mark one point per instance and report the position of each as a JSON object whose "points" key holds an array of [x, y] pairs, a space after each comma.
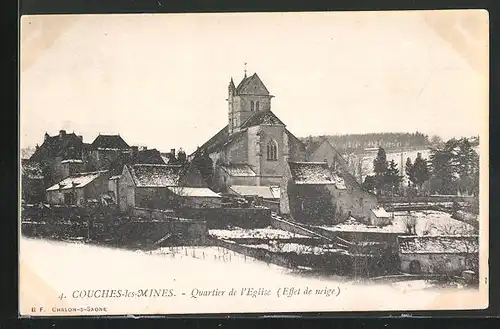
{"points": [[260, 233], [49, 269], [428, 222]]}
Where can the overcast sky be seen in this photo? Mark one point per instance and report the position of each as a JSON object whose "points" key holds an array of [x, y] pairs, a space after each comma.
{"points": [[161, 80]]}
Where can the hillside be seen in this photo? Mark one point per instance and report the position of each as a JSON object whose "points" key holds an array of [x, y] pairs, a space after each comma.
{"points": [[391, 142]]}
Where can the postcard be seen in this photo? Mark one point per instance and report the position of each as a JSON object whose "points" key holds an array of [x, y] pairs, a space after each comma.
{"points": [[253, 162]]}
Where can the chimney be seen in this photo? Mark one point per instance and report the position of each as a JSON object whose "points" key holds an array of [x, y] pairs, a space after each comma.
{"points": [[46, 137], [135, 149], [172, 151], [62, 133], [80, 137]]}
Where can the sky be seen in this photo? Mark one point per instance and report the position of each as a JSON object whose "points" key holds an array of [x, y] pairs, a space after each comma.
{"points": [[161, 80]]}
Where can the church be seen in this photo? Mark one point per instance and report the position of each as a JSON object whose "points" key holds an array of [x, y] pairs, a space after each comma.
{"points": [[253, 149]]}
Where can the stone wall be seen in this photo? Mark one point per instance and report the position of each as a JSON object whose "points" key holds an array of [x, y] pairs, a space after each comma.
{"points": [[225, 217]]}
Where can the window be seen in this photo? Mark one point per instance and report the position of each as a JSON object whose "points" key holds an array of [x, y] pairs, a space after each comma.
{"points": [[272, 151], [251, 106], [257, 106]]}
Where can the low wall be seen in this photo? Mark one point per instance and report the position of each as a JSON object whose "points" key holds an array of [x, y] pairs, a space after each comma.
{"points": [[147, 232], [294, 228], [429, 198], [61, 230], [153, 214], [337, 263], [224, 217]]}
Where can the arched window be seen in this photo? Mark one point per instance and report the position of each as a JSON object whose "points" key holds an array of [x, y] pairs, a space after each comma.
{"points": [[251, 106], [256, 105], [272, 151]]}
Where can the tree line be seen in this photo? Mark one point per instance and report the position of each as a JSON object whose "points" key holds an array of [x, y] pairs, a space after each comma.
{"points": [[452, 168]]}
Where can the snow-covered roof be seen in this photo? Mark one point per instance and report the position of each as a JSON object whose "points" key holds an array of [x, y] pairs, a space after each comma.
{"points": [[76, 181], [155, 175], [239, 170], [72, 161], [441, 244], [380, 212], [114, 177], [265, 192], [194, 192], [315, 173]]}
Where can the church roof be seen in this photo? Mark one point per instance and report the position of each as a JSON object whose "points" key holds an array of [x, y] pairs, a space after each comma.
{"points": [[262, 118], [245, 86]]}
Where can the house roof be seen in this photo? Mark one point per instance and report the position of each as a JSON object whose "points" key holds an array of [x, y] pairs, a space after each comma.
{"points": [[66, 146], [443, 244], [238, 170], [151, 156], [79, 180], [201, 192], [247, 190], [109, 142], [155, 175], [247, 82], [315, 173], [343, 165]]}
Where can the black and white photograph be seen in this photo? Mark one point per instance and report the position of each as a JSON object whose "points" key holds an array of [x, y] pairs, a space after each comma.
{"points": [[253, 162]]}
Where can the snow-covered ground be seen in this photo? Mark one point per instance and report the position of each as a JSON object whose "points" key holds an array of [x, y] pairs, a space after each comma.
{"points": [[259, 233], [428, 222], [296, 248], [49, 269]]}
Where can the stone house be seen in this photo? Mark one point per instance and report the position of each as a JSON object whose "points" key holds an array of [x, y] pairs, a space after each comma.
{"points": [[379, 217], [445, 254], [104, 151], [161, 186], [313, 192], [78, 188], [255, 146], [54, 156]]}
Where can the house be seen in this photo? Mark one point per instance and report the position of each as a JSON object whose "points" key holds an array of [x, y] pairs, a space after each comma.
{"points": [[104, 151], [379, 217], [161, 186], [324, 151], [313, 192], [53, 151], [77, 188], [444, 254], [254, 147]]}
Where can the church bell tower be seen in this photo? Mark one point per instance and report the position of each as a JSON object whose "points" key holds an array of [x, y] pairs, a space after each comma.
{"points": [[248, 98]]}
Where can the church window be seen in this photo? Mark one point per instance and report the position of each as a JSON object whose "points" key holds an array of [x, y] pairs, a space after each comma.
{"points": [[251, 106], [256, 105], [272, 151]]}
